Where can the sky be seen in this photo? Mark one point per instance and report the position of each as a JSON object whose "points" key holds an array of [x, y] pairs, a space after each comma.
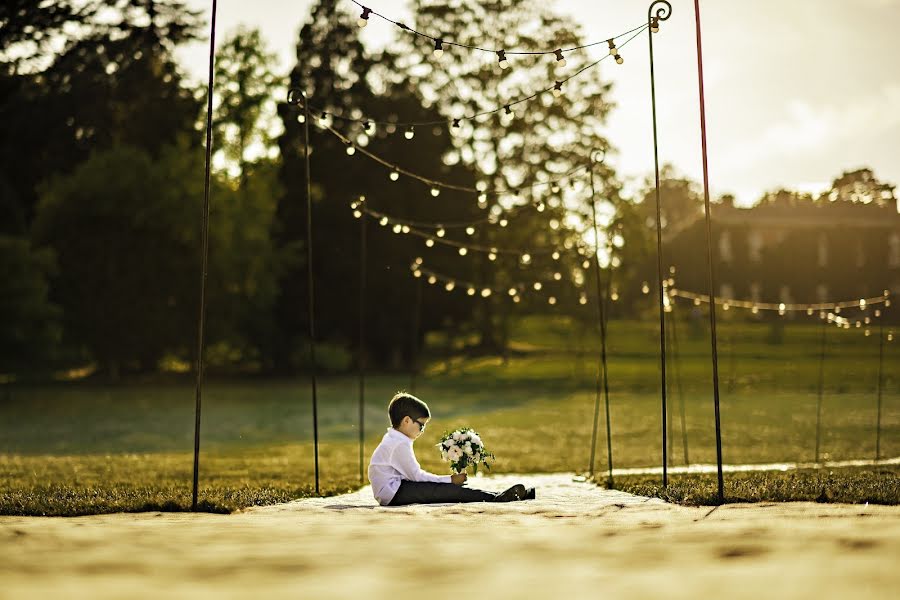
{"points": [[796, 92]]}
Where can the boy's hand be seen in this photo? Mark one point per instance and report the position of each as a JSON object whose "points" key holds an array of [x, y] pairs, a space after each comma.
{"points": [[459, 478]]}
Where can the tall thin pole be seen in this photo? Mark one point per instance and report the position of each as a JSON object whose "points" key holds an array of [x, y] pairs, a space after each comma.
{"points": [[312, 296], [822, 345], [417, 325], [709, 263], [362, 338], [205, 255], [601, 314], [662, 13]]}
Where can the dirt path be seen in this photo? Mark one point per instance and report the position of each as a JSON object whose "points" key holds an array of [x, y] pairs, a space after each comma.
{"points": [[574, 541]]}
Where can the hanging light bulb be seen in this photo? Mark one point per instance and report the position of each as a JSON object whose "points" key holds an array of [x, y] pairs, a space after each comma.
{"points": [[397, 228], [417, 273], [526, 259], [429, 242], [485, 292], [301, 118], [654, 25], [540, 207], [809, 312], [551, 300], [409, 133], [463, 251], [755, 310], [351, 150], [501, 56], [449, 286], [582, 299], [537, 286], [470, 291], [512, 291], [557, 89], [383, 222], [781, 308], [555, 255], [435, 192], [645, 288], [440, 232], [503, 222], [619, 59], [517, 299], [470, 230], [560, 59], [612, 47], [557, 276], [394, 175], [614, 295], [726, 306], [492, 255], [438, 48], [432, 279], [586, 264], [357, 214], [364, 17]]}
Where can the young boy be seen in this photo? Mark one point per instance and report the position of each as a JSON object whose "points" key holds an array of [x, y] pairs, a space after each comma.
{"points": [[396, 476]]}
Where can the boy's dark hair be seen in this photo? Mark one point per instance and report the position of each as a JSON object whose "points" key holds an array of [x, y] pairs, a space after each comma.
{"points": [[407, 405]]}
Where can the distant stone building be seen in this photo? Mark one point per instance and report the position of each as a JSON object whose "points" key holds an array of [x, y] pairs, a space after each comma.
{"points": [[792, 251]]}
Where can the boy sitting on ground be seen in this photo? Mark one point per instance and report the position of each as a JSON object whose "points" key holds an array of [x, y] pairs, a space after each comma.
{"points": [[395, 474]]}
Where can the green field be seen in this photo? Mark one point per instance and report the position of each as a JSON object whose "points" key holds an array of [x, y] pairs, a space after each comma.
{"points": [[84, 447]]}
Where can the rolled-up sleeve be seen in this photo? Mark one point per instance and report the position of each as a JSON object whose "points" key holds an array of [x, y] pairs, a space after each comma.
{"points": [[404, 460]]}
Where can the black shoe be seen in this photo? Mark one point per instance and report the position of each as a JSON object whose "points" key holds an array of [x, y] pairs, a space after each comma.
{"points": [[529, 494], [516, 492]]}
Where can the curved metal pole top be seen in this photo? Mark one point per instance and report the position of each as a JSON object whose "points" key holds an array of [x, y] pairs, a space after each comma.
{"points": [[663, 12], [598, 155]]}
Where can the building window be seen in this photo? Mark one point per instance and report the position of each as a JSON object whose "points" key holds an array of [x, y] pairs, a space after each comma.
{"points": [[894, 251], [755, 242], [725, 246], [823, 251]]}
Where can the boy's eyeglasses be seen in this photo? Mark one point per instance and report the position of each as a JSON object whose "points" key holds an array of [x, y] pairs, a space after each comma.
{"points": [[420, 424]]}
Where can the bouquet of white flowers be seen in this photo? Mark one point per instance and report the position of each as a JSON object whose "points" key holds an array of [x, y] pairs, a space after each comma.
{"points": [[463, 448]]}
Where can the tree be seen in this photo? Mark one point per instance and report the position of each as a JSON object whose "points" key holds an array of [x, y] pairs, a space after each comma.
{"points": [[115, 82], [548, 136], [124, 229], [861, 186], [29, 327], [245, 85], [340, 77]]}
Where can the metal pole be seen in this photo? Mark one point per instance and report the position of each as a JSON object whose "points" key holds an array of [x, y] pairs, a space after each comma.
{"points": [[712, 282], [601, 313], [417, 324], [205, 256], [662, 13], [821, 384], [362, 338], [311, 303]]}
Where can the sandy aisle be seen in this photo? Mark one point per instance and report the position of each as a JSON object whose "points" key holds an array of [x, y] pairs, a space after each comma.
{"points": [[574, 541]]}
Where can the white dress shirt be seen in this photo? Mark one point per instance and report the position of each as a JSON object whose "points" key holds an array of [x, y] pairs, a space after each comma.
{"points": [[393, 461]]}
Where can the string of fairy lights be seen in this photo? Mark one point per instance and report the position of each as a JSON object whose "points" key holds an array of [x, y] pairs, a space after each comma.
{"points": [[454, 123]]}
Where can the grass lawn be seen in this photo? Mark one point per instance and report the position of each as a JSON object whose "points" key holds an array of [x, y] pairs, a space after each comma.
{"points": [[81, 448]]}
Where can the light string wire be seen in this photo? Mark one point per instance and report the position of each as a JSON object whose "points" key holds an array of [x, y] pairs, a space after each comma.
{"points": [[515, 190], [294, 97], [445, 41], [860, 303], [515, 290], [490, 219]]}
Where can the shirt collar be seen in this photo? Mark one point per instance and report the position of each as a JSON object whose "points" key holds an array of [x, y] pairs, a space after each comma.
{"points": [[394, 433]]}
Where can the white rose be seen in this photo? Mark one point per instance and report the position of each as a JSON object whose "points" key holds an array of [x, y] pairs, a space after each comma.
{"points": [[457, 436], [475, 439], [467, 448], [448, 442], [454, 454]]}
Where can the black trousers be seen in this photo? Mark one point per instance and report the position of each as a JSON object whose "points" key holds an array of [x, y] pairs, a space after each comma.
{"points": [[426, 492]]}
